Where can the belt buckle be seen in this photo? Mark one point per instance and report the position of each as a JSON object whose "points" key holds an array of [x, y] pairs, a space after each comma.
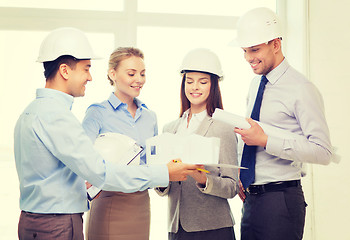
{"points": [[252, 192]]}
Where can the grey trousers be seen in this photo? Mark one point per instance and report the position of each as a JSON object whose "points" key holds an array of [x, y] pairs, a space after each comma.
{"points": [[50, 226], [274, 215]]}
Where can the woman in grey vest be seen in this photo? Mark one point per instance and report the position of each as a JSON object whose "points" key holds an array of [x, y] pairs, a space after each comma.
{"points": [[198, 207]]}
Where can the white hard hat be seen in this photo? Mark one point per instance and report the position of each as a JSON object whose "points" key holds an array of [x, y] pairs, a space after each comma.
{"points": [[257, 26], [118, 148], [203, 60], [65, 41]]}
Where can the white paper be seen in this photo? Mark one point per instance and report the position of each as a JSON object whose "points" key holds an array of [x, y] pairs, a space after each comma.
{"points": [[241, 122], [93, 192], [223, 165], [192, 149]]}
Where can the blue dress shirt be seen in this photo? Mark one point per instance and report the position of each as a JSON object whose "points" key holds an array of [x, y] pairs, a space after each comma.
{"points": [[112, 115], [54, 156]]}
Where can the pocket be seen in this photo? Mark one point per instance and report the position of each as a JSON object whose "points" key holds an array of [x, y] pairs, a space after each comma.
{"points": [[296, 205]]}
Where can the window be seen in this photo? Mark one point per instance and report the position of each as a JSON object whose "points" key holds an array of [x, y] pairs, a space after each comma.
{"points": [[108, 5], [164, 50], [202, 7]]}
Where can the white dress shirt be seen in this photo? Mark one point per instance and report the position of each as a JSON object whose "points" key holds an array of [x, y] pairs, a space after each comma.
{"points": [[186, 128], [293, 103]]}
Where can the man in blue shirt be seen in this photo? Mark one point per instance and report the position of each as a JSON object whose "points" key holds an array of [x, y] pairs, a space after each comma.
{"points": [[54, 156]]}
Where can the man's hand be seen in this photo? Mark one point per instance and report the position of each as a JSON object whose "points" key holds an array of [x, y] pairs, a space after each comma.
{"points": [[178, 171], [254, 136]]}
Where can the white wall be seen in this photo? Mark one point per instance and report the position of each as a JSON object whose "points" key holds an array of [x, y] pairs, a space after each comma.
{"points": [[329, 36], [316, 43]]}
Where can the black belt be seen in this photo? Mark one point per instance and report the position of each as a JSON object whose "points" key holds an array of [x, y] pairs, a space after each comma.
{"points": [[272, 187]]}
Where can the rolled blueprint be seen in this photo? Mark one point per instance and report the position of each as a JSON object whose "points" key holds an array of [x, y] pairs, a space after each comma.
{"points": [[241, 122]]}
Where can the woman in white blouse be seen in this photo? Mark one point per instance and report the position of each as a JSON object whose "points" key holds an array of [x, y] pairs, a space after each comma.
{"points": [[198, 207]]}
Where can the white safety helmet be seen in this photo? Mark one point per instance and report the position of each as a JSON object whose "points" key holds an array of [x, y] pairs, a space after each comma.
{"points": [[65, 41], [257, 26], [118, 148], [203, 60]]}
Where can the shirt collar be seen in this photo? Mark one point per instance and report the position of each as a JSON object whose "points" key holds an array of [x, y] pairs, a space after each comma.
{"points": [[278, 71], [65, 98], [115, 102], [199, 116]]}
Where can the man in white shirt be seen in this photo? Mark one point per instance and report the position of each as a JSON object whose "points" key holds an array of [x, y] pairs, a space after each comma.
{"points": [[274, 206]]}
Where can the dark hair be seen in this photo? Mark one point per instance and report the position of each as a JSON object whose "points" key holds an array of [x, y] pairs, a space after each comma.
{"points": [[213, 101], [52, 67]]}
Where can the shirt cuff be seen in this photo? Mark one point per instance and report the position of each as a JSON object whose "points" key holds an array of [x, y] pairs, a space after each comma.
{"points": [[274, 146], [208, 185], [160, 175], [134, 178]]}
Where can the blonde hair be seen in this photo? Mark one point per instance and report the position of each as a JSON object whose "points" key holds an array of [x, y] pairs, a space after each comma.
{"points": [[121, 54]]}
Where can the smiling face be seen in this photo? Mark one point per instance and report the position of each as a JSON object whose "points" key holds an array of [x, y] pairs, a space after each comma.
{"points": [[263, 58], [197, 89], [78, 78], [129, 78]]}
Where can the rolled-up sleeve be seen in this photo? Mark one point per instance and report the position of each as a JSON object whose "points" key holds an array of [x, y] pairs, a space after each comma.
{"points": [[316, 146]]}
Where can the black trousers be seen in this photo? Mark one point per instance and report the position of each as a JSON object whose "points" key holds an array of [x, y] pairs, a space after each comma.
{"points": [[274, 215], [50, 226], [221, 233]]}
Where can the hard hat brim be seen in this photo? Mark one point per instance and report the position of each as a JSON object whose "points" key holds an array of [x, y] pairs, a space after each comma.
{"points": [[94, 57]]}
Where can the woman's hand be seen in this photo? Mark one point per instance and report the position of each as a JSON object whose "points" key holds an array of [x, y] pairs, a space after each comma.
{"points": [[199, 176]]}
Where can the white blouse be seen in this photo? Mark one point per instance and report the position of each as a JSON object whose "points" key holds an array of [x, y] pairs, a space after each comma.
{"points": [[186, 128]]}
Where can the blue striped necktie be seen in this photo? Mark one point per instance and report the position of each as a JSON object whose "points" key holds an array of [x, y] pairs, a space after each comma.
{"points": [[247, 176]]}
